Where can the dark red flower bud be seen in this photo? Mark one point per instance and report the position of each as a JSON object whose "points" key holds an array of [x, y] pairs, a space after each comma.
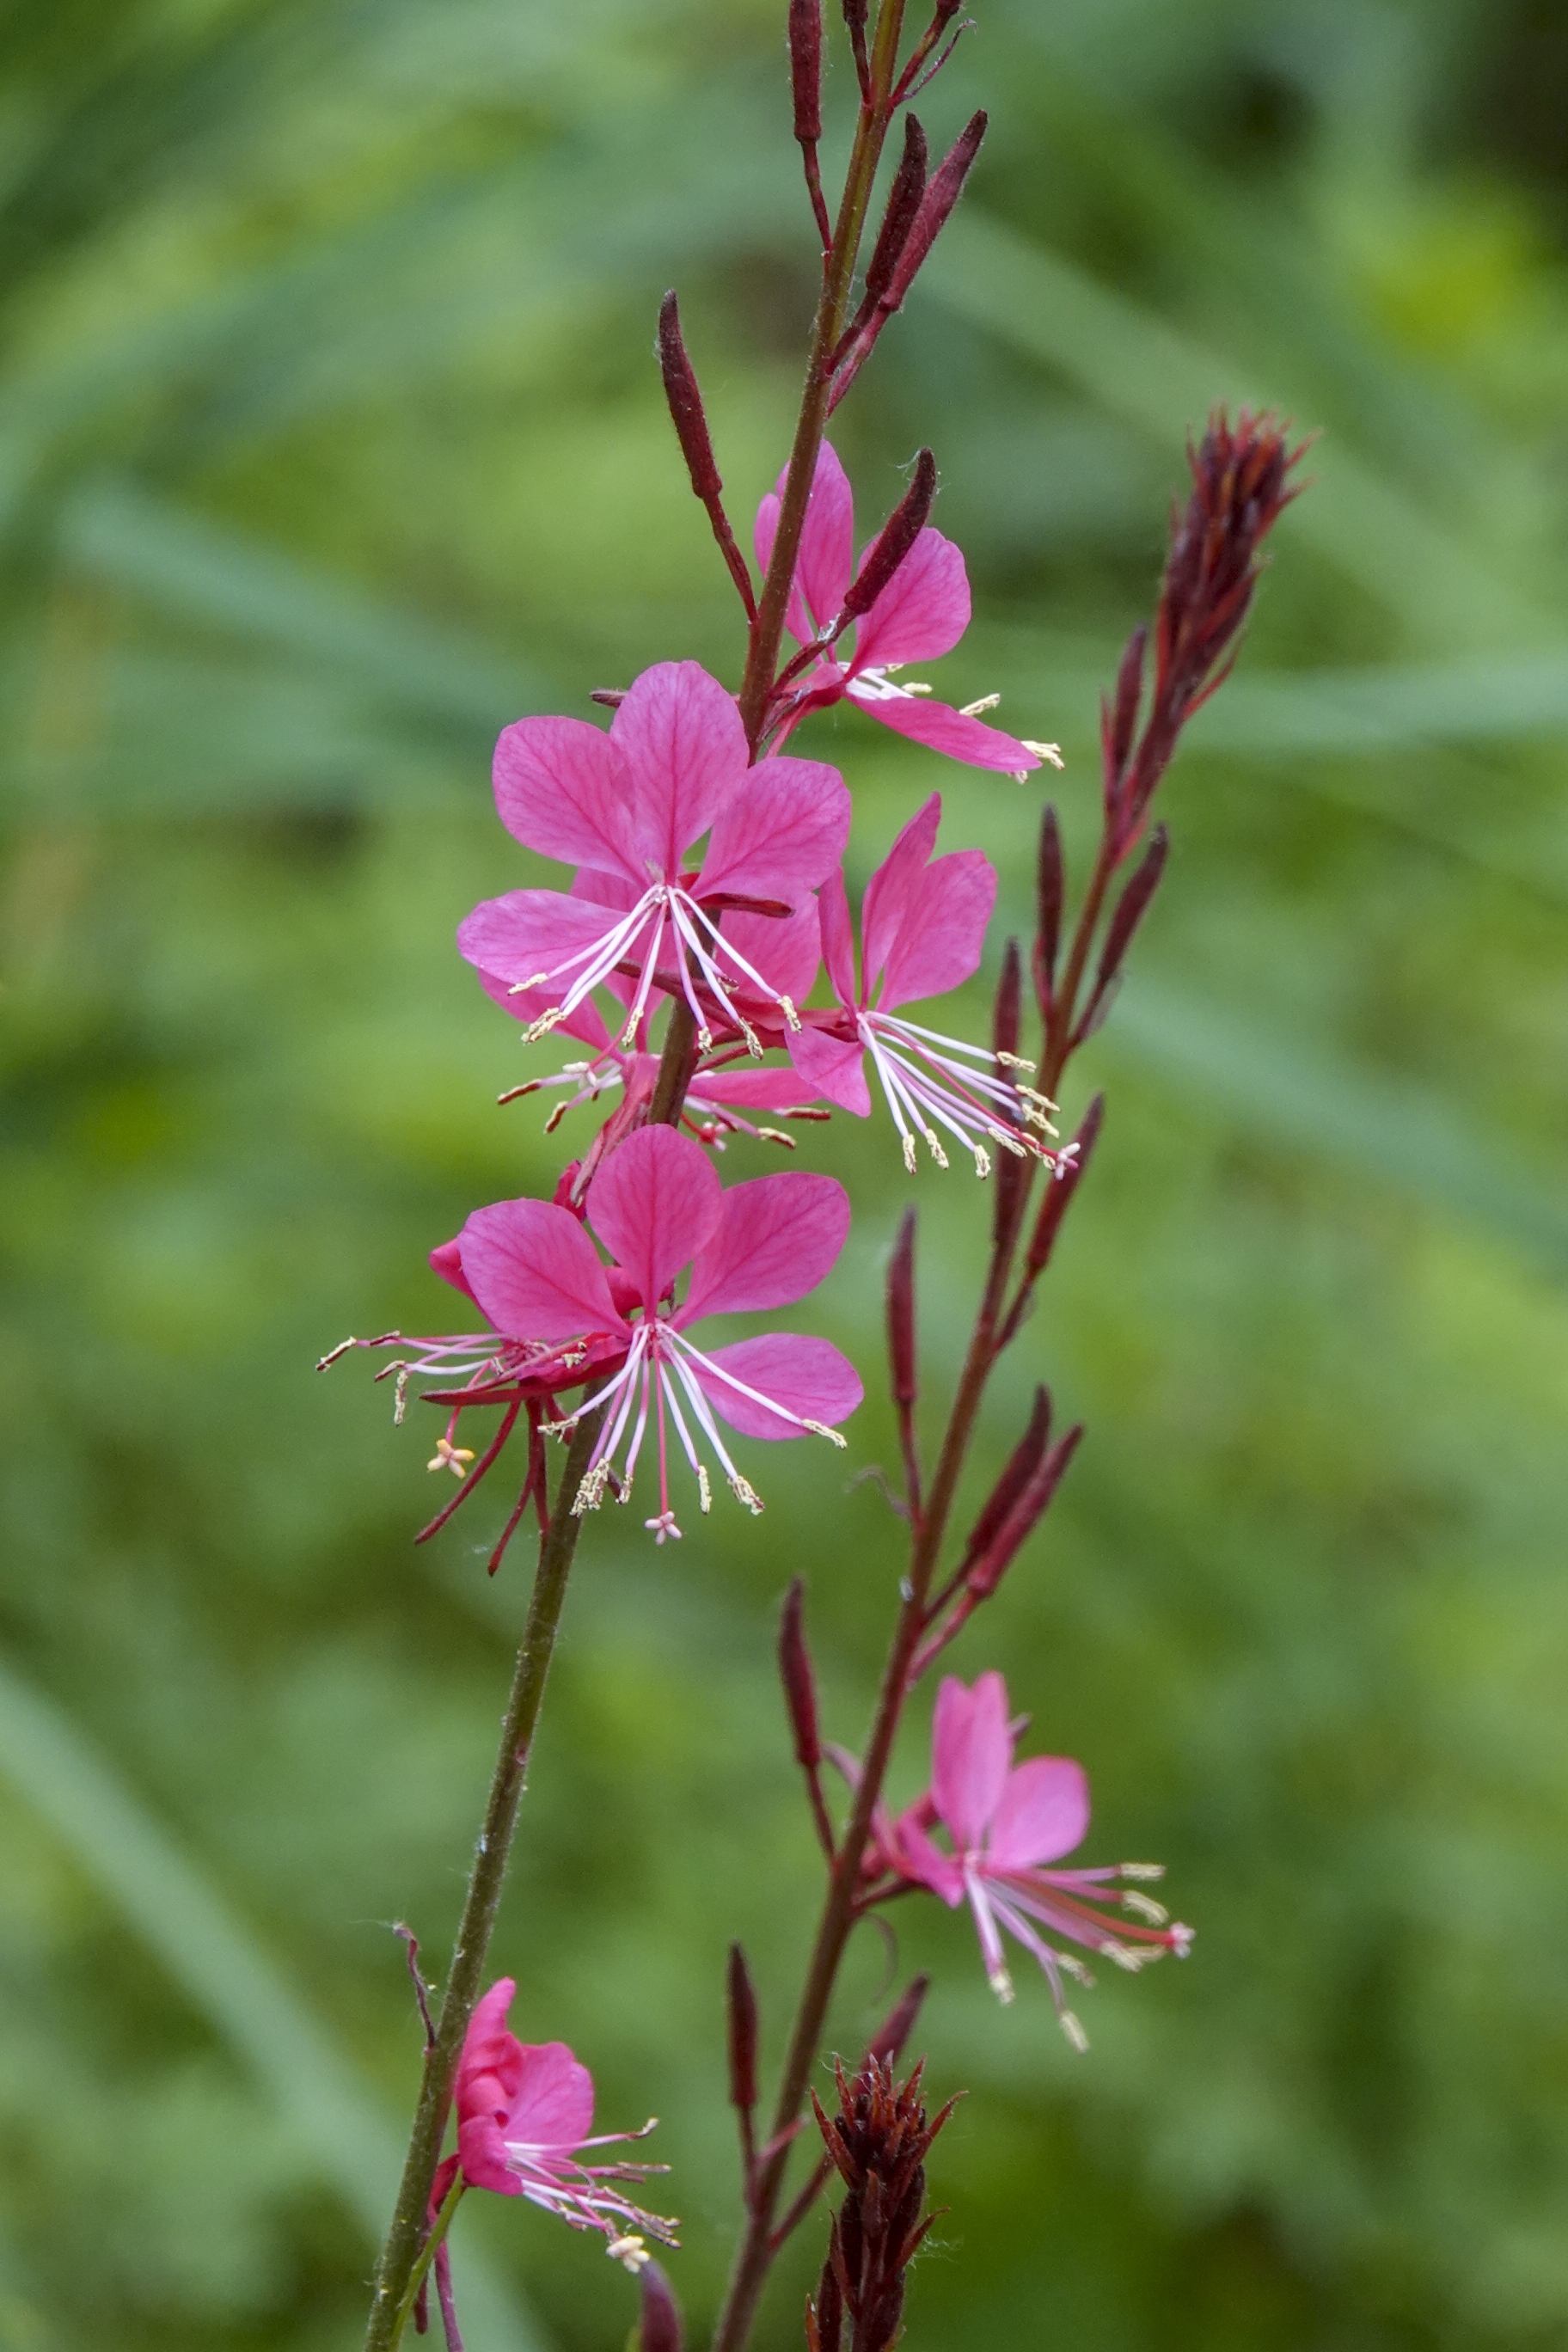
{"points": [[1028, 1510], [1060, 1189], [659, 2328], [1012, 1173], [1130, 909], [1023, 1463], [894, 541], [1050, 885], [903, 202], [901, 1349], [945, 187], [805, 69], [887, 2044], [686, 410], [799, 1683], [741, 2004]]}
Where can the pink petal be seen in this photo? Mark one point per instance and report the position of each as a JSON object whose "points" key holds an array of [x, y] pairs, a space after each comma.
{"points": [[837, 938], [784, 950], [833, 1066], [1043, 1814], [823, 567], [922, 613], [531, 932], [972, 1752], [808, 1377], [562, 789], [447, 1260], [535, 1272], [939, 942], [654, 1203], [891, 889], [915, 1856], [797, 618], [682, 739], [780, 835], [488, 2071], [777, 1238], [749, 1088], [553, 2105], [946, 729]]}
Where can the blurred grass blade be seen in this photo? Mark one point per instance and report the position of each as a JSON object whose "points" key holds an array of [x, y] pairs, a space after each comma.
{"points": [[217, 578], [1134, 365], [218, 1964], [1312, 1100]]}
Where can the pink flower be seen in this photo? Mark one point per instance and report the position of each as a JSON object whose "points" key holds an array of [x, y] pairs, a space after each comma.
{"points": [[920, 615], [658, 1205], [625, 809], [922, 927], [525, 2112], [1006, 1821]]}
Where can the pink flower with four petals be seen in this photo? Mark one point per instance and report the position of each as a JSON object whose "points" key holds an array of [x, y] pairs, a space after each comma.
{"points": [[922, 927], [626, 808], [525, 2113], [920, 615], [658, 1206], [1008, 1822]]}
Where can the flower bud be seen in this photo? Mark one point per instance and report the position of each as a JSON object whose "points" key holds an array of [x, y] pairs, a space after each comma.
{"points": [[741, 2004], [659, 2328], [799, 1683], [805, 69], [1060, 1191], [1130, 909], [894, 541], [902, 1349]]}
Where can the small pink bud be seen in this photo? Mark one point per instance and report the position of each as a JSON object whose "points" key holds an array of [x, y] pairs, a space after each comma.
{"points": [[945, 187], [1023, 1463], [799, 1683], [686, 410], [903, 202], [805, 69], [659, 2329]]}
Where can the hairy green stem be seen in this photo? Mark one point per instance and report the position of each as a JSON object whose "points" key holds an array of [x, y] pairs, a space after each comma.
{"points": [[438, 2229], [487, 1878]]}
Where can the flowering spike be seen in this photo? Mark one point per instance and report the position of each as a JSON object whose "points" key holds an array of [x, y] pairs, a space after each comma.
{"points": [[659, 2326], [741, 2002], [691, 421], [897, 537], [878, 2142], [1130, 909], [1050, 890]]}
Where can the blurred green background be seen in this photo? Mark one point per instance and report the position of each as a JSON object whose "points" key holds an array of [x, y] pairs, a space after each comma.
{"points": [[329, 440]]}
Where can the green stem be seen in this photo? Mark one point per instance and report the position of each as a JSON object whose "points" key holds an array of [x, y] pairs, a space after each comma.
{"points": [[486, 1880], [438, 2229]]}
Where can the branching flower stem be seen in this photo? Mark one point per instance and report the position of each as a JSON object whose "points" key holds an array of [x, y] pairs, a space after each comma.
{"points": [[407, 2239], [761, 2240]]}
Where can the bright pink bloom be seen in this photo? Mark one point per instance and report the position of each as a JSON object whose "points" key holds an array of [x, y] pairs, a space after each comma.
{"points": [[922, 927], [626, 808], [658, 1205], [920, 615], [525, 2112], [1006, 1821]]}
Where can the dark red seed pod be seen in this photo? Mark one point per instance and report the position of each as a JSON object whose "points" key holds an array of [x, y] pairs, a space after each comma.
{"points": [[799, 1683], [741, 2005], [658, 2326], [903, 202], [686, 410], [1060, 1191], [894, 541], [902, 1354]]}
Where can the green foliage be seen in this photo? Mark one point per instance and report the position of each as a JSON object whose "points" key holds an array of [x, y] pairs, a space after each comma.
{"points": [[329, 440]]}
